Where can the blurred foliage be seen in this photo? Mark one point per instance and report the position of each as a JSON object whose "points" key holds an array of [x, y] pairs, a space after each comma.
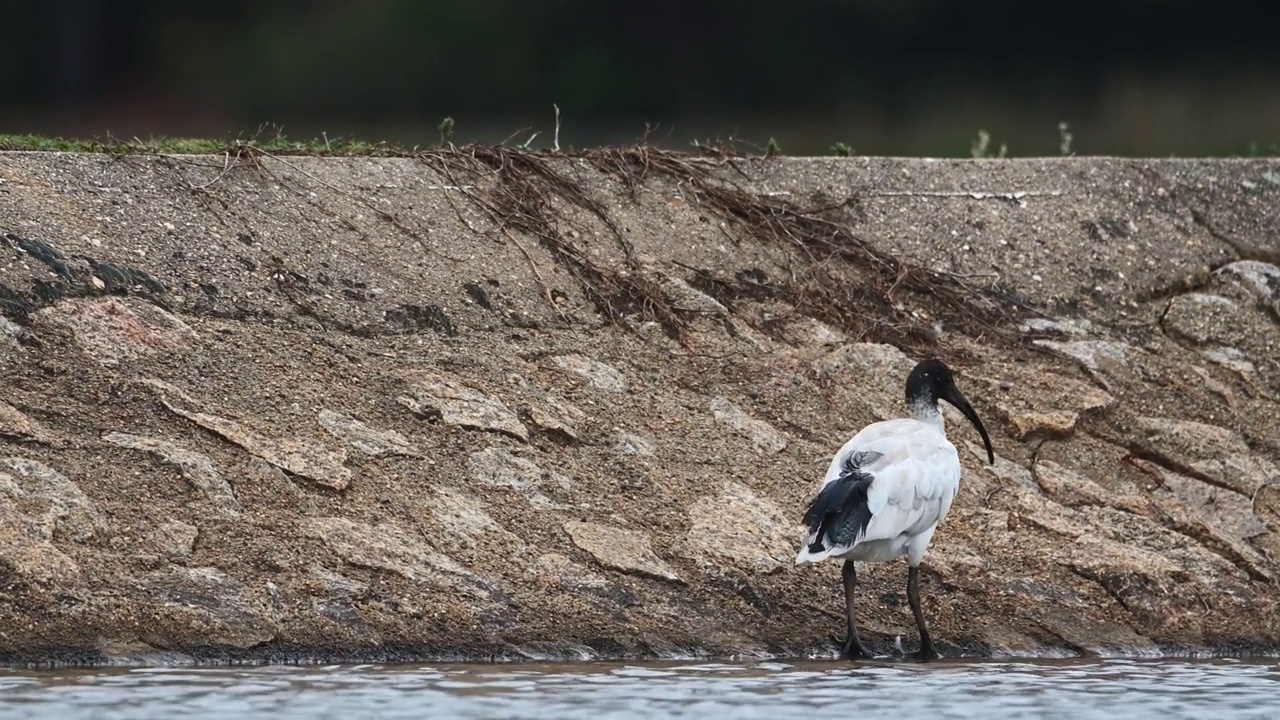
{"points": [[893, 61]]}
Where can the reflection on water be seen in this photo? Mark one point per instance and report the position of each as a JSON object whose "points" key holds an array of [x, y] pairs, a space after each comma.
{"points": [[1061, 689]]}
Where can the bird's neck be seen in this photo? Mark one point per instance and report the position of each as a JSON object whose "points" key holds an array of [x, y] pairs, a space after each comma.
{"points": [[926, 410]]}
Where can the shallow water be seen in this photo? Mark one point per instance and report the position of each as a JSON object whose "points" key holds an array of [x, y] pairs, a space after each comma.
{"points": [[1032, 689]]}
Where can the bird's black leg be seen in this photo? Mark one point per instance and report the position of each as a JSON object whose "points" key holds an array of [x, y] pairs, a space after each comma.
{"points": [[927, 652], [853, 647]]}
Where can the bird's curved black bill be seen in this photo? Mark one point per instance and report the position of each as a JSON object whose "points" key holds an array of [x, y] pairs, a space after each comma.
{"points": [[955, 397]]}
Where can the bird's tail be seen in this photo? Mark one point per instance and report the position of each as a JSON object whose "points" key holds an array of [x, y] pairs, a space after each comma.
{"points": [[837, 513], [812, 551]]}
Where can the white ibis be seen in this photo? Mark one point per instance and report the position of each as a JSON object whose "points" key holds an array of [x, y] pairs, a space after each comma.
{"points": [[886, 491]]}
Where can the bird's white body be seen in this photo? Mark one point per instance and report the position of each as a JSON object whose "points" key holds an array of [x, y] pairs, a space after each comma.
{"points": [[885, 493], [916, 477]]}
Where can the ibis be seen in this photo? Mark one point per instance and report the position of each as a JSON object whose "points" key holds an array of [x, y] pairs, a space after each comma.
{"points": [[886, 491]]}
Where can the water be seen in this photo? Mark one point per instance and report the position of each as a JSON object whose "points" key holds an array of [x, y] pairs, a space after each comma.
{"points": [[1075, 689]]}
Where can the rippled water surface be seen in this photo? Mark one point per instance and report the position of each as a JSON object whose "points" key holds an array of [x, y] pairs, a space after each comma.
{"points": [[979, 690]]}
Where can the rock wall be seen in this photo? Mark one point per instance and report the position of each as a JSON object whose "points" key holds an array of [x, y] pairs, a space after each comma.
{"points": [[478, 404]]}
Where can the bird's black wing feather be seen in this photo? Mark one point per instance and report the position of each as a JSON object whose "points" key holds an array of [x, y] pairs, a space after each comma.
{"points": [[839, 512]]}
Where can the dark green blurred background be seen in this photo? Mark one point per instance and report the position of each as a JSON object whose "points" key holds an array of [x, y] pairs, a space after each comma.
{"points": [[905, 77]]}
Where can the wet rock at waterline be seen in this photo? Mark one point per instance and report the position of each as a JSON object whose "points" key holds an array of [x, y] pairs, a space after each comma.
{"points": [[241, 434]]}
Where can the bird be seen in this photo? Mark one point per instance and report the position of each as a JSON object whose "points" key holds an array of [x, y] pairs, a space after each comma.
{"points": [[885, 492]]}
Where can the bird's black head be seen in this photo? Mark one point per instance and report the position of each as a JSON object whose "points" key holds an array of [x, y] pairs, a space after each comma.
{"points": [[930, 381]]}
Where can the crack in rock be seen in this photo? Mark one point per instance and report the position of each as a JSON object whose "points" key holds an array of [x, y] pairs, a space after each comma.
{"points": [[197, 469], [388, 548], [557, 416], [297, 457], [370, 441], [224, 610]]}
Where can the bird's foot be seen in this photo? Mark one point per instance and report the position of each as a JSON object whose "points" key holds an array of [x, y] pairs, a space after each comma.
{"points": [[926, 653], [855, 650]]}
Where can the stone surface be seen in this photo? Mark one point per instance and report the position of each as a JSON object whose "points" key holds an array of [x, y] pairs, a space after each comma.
{"points": [[560, 570], [862, 373], [1191, 440], [175, 540], [808, 331], [196, 469], [1202, 318], [632, 444], [524, 474], [57, 504], [1055, 422], [1077, 327], [27, 550], [113, 330], [598, 375], [557, 416], [1232, 359], [15, 424], [1260, 279], [220, 608], [629, 551], [469, 528], [1218, 453], [299, 457], [455, 403], [390, 549], [1101, 358], [686, 297], [736, 528], [1035, 405], [370, 441], [764, 438], [497, 467], [1073, 489]]}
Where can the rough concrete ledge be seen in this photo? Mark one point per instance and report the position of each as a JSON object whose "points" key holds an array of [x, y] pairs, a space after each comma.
{"points": [[481, 404]]}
